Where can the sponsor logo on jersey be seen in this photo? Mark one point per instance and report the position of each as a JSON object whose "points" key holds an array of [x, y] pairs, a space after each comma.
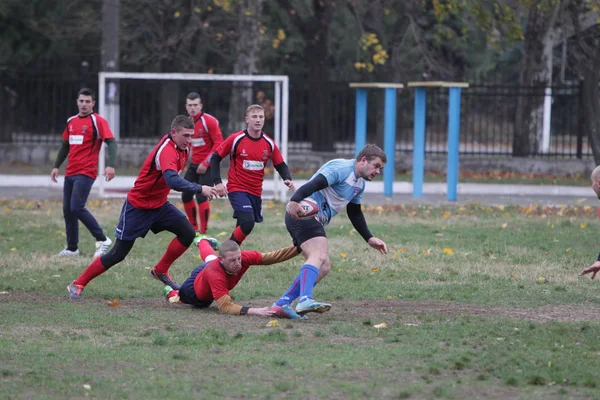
{"points": [[84, 129], [76, 139], [253, 165], [243, 153], [197, 142]]}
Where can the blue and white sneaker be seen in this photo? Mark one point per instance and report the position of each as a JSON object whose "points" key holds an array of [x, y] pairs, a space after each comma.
{"points": [[75, 291], [310, 305], [285, 311]]}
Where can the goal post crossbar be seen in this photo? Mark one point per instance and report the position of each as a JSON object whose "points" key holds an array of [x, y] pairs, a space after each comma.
{"points": [[281, 112]]}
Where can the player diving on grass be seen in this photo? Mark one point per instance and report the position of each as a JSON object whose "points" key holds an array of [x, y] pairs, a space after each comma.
{"points": [[213, 279], [337, 184]]}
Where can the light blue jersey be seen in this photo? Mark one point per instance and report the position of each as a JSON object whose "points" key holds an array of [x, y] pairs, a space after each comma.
{"points": [[344, 187]]}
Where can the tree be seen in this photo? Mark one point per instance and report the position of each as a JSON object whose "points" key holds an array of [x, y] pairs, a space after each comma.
{"points": [[586, 60], [313, 23], [246, 62]]}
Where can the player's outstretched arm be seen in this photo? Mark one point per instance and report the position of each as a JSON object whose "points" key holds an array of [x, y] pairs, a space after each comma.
{"points": [[175, 182], [280, 255], [227, 306], [593, 269]]}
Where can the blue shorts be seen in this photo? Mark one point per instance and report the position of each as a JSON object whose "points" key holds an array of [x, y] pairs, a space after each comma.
{"points": [[243, 202], [187, 294], [135, 223]]}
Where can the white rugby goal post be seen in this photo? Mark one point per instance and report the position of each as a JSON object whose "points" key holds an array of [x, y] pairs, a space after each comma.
{"points": [[281, 111]]}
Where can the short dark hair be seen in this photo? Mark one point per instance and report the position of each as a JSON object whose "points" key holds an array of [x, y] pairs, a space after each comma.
{"points": [[87, 92], [193, 96], [228, 246], [182, 122], [371, 151]]}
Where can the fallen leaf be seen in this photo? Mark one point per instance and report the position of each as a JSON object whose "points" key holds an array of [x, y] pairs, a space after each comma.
{"points": [[409, 324], [380, 326], [401, 250], [4, 292], [504, 225], [374, 269], [114, 303], [342, 254], [427, 252], [272, 323], [449, 251], [87, 387], [222, 234], [388, 298], [583, 226], [56, 276]]}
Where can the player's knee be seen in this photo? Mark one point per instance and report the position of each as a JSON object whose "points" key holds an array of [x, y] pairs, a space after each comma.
{"points": [[113, 257], [186, 235], [246, 222], [187, 196]]}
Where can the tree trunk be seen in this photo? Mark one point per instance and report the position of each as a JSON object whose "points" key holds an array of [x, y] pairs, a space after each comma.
{"points": [[535, 76], [590, 107], [319, 105], [247, 49]]}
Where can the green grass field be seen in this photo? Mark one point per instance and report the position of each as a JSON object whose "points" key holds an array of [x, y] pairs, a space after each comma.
{"points": [[479, 302]]}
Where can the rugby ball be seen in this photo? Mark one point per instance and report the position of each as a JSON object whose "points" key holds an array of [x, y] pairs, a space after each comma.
{"points": [[310, 208]]}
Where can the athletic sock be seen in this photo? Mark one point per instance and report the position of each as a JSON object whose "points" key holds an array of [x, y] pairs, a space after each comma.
{"points": [[93, 270], [204, 209], [290, 294], [174, 251], [190, 211], [205, 249], [308, 277], [238, 236]]}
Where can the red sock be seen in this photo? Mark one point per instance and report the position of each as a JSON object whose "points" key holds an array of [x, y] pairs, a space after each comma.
{"points": [[174, 251], [205, 249], [204, 209], [237, 235], [190, 211], [93, 270]]}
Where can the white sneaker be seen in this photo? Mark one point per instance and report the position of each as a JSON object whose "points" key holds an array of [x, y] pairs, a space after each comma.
{"points": [[102, 247], [68, 253]]}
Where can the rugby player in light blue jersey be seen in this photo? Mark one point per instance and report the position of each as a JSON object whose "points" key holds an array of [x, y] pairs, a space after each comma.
{"points": [[337, 184]]}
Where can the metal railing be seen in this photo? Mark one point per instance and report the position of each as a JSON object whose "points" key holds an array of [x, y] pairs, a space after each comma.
{"points": [[34, 110]]}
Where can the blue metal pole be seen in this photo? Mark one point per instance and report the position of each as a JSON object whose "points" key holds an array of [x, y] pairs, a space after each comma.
{"points": [[389, 141], [453, 141], [360, 129], [419, 141]]}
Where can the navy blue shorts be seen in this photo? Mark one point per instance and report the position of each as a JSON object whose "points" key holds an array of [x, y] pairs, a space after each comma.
{"points": [[303, 229], [243, 202], [135, 223], [187, 295]]}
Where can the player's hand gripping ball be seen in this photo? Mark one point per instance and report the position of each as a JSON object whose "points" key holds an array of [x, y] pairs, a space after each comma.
{"points": [[310, 208]]}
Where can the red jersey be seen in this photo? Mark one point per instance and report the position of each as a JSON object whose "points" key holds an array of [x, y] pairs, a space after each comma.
{"points": [[150, 189], [207, 138], [213, 282], [247, 160], [85, 136]]}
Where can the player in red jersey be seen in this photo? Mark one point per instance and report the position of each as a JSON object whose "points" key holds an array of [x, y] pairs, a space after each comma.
{"points": [[147, 208], [207, 138], [248, 150], [213, 279], [82, 141]]}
